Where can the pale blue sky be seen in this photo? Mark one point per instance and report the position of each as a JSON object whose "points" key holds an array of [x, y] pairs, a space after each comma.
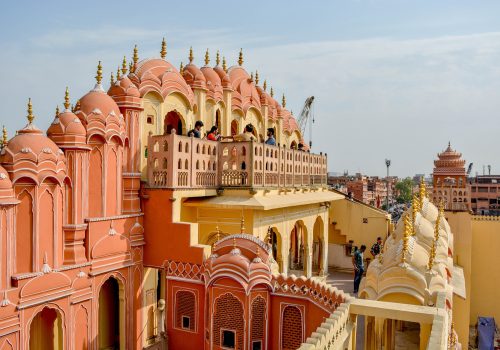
{"points": [[393, 79]]}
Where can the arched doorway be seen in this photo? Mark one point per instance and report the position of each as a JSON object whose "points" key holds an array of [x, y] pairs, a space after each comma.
{"points": [[318, 247], [46, 330], [293, 145], [111, 332], [172, 121], [275, 241], [218, 120], [298, 248], [234, 127]]}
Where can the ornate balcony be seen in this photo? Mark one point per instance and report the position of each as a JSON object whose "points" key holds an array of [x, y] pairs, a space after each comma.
{"points": [[176, 161]]}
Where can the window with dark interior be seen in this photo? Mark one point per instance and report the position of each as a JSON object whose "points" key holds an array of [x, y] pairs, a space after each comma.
{"points": [[257, 345], [228, 339], [186, 322]]}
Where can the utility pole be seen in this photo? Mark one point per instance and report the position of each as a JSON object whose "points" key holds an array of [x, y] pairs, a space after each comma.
{"points": [[387, 164]]}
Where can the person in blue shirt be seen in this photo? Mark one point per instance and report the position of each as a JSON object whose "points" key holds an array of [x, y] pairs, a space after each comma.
{"points": [[359, 267], [270, 137]]}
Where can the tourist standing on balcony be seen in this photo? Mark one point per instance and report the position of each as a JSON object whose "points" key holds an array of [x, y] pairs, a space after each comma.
{"points": [[301, 147], [213, 135], [270, 137], [196, 132], [247, 135], [359, 267]]}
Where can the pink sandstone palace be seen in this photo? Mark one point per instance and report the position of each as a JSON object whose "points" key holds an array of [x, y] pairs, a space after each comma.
{"points": [[118, 231]]}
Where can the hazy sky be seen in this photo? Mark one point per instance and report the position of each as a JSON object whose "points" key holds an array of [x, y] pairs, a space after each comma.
{"points": [[392, 79]]}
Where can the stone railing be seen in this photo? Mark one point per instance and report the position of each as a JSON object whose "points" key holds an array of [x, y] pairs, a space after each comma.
{"points": [[324, 295], [186, 162]]}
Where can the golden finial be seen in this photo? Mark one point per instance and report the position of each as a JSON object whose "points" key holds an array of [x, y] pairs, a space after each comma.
{"points": [[242, 229], [191, 57], [441, 208], [415, 209], [57, 110], [181, 68], [77, 106], [135, 59], [272, 92], [66, 99], [452, 338], [98, 77], [207, 58], [30, 112], [240, 58], [124, 65], [256, 77], [112, 79], [217, 58], [283, 101], [422, 191], [4, 136], [406, 238], [251, 76], [131, 67], [163, 52], [264, 86], [224, 66], [118, 74], [432, 256]]}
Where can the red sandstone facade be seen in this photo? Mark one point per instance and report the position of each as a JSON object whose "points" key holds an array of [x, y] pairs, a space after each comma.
{"points": [[78, 230]]}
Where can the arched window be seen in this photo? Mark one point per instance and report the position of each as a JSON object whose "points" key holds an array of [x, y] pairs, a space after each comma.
{"points": [[291, 328]]}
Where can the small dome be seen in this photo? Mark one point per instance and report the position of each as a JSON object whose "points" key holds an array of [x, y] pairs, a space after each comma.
{"points": [[214, 84], [97, 101], [194, 77], [6, 190], [243, 84], [124, 87], [67, 129], [224, 78]]}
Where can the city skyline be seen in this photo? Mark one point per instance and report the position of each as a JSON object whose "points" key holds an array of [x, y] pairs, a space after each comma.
{"points": [[391, 80]]}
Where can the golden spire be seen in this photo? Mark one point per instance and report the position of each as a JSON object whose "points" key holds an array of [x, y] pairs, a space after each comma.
{"points": [[224, 66], [217, 58], [415, 209], [30, 112], [272, 92], [77, 106], [98, 77], [4, 137], [256, 77], [283, 101], [181, 68], [135, 59], [242, 228], [406, 238], [240, 58], [131, 67], [264, 86], [207, 58], [163, 52], [124, 65], [57, 110], [422, 191], [191, 57], [66, 99], [112, 79], [118, 74], [251, 76]]}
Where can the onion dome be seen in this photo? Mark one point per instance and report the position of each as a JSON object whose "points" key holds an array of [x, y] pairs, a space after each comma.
{"points": [[222, 73], [67, 129], [245, 93], [124, 92], [193, 75], [213, 81], [158, 75], [31, 154], [99, 113]]}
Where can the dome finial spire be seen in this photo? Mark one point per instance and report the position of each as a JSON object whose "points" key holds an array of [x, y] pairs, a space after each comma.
{"points": [[251, 76], [66, 99], [135, 59], [181, 68], [240, 57], [163, 52], [191, 57], [272, 92], [118, 74], [264, 86], [283, 101], [124, 65], [217, 58], [256, 77], [207, 58], [57, 110], [4, 137], [30, 115], [112, 79], [224, 66], [98, 77]]}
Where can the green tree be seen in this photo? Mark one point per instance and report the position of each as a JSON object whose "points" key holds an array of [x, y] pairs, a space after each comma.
{"points": [[404, 189]]}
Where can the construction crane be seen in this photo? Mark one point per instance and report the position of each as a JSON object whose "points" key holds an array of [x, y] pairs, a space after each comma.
{"points": [[469, 169], [307, 117]]}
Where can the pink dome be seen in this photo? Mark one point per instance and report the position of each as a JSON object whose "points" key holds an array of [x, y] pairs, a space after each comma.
{"points": [[124, 87], [6, 190], [194, 77], [246, 89], [67, 129], [224, 78], [213, 82]]}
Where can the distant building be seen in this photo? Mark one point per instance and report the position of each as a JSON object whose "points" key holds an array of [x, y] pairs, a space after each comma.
{"points": [[485, 194]]}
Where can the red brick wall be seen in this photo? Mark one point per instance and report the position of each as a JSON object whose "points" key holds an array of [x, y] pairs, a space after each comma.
{"points": [[185, 306], [291, 329]]}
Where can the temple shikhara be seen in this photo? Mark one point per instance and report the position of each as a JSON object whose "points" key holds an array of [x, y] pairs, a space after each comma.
{"points": [[120, 231]]}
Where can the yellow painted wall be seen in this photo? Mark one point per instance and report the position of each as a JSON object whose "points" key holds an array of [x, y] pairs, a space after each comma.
{"points": [[485, 276], [348, 216]]}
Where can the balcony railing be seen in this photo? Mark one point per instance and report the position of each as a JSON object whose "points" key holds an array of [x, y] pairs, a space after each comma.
{"points": [[176, 161]]}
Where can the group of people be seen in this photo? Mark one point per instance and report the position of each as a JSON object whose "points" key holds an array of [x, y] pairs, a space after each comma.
{"points": [[246, 135], [358, 261]]}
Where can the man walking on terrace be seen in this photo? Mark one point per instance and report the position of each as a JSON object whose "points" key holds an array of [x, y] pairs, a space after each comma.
{"points": [[359, 267]]}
